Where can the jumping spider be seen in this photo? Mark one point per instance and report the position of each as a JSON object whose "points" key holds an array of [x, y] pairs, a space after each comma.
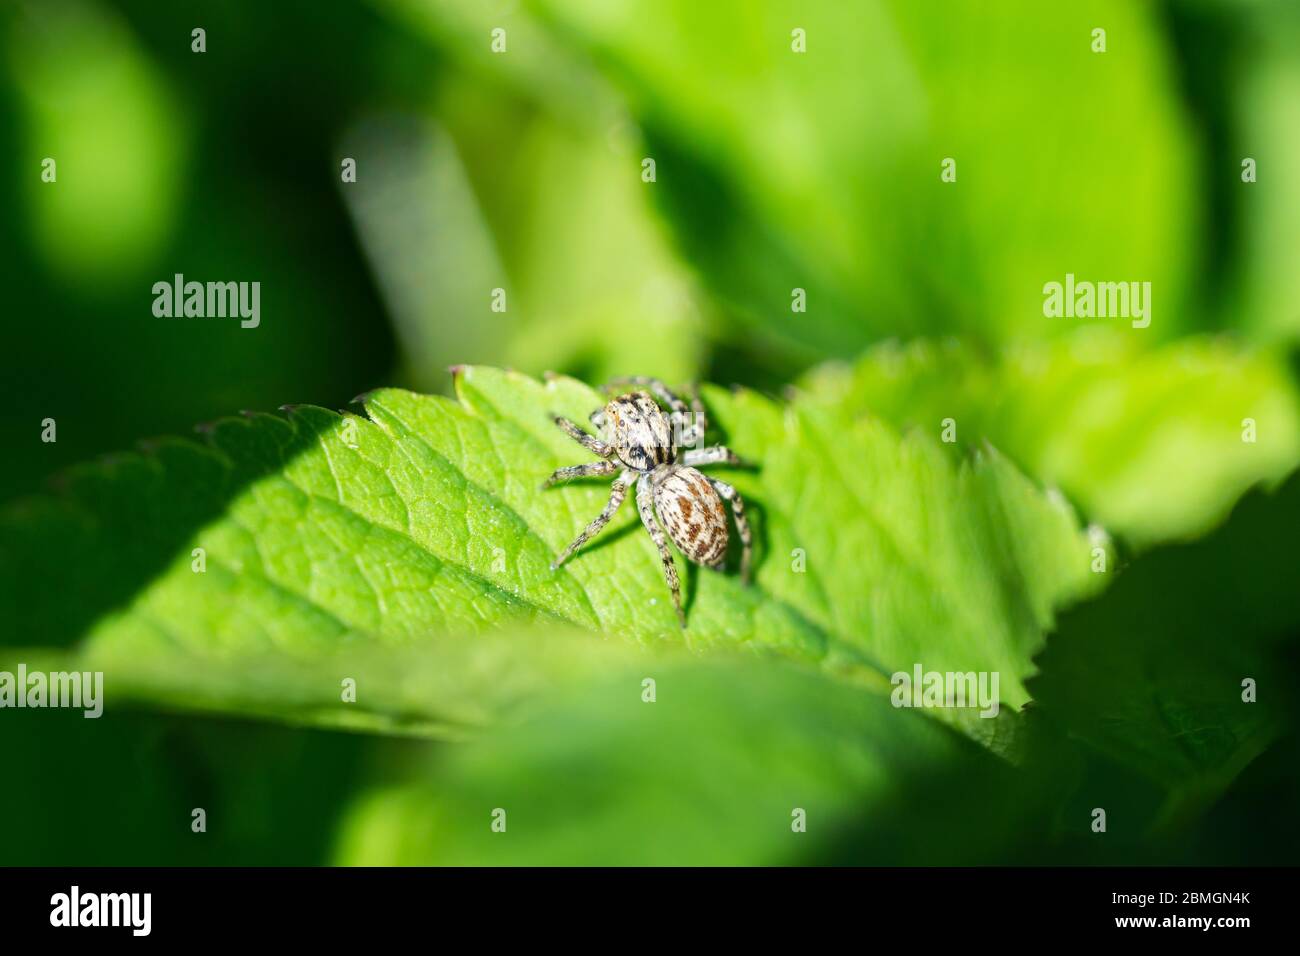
{"points": [[647, 444]]}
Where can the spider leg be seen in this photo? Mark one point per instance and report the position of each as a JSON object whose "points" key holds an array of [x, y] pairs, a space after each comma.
{"points": [[742, 525], [689, 433], [617, 491], [589, 442], [660, 390], [693, 424], [685, 434], [646, 506], [717, 455], [599, 421], [588, 470], [697, 407]]}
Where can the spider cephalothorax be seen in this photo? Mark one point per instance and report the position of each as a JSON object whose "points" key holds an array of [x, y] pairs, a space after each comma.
{"points": [[644, 445]]}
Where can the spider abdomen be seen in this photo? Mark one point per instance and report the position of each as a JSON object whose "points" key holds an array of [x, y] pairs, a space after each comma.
{"points": [[692, 514]]}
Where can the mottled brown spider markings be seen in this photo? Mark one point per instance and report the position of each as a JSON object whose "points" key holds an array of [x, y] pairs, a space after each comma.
{"points": [[645, 446]]}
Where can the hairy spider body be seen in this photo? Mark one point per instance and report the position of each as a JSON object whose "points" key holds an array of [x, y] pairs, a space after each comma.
{"points": [[672, 495], [691, 512], [643, 435]]}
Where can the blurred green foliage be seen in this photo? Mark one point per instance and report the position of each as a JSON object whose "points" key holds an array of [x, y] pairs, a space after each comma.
{"points": [[774, 171]]}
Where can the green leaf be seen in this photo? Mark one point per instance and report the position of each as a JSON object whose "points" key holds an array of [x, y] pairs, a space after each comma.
{"points": [[908, 555], [714, 771], [1151, 673], [441, 686], [1266, 113], [821, 170], [327, 535], [565, 231], [1148, 443]]}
